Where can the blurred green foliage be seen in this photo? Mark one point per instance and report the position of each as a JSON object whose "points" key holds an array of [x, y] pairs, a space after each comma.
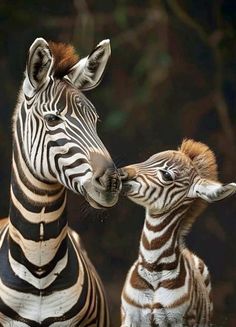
{"points": [[171, 75]]}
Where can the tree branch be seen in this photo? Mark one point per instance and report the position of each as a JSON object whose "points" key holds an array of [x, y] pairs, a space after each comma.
{"points": [[187, 20], [212, 41]]}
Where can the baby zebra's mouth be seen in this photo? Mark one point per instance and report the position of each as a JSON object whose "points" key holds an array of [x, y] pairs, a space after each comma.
{"points": [[126, 181], [126, 188]]}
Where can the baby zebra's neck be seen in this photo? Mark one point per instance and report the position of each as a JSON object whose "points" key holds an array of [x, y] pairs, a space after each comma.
{"points": [[161, 241]]}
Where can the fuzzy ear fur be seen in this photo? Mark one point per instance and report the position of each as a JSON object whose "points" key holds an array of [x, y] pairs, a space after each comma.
{"points": [[211, 191], [87, 73], [60, 60], [38, 67]]}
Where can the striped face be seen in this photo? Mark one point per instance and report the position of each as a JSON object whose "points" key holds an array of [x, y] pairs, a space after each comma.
{"points": [[160, 182], [167, 179], [57, 126]]}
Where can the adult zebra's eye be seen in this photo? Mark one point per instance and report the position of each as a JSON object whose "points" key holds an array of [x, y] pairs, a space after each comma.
{"points": [[52, 120], [166, 176]]}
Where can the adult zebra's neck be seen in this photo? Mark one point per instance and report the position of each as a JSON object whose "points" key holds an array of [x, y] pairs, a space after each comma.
{"points": [[161, 240], [38, 221]]}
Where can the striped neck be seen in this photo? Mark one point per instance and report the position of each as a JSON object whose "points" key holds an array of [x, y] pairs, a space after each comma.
{"points": [[161, 241], [38, 221]]}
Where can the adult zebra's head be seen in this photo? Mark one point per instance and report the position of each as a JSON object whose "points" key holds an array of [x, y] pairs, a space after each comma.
{"points": [[170, 178], [57, 123]]}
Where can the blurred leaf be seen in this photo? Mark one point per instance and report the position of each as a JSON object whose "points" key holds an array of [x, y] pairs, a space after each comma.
{"points": [[120, 15], [116, 119]]}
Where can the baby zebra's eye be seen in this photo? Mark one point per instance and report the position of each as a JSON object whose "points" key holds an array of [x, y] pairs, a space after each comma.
{"points": [[167, 176], [52, 120]]}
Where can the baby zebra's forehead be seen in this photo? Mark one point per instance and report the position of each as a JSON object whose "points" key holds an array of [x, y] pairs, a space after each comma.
{"points": [[174, 160]]}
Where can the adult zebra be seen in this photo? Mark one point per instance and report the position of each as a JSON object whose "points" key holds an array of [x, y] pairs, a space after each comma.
{"points": [[168, 285], [46, 278]]}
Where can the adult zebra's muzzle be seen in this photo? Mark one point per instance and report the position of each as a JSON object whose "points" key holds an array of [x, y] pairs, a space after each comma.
{"points": [[108, 181], [102, 191]]}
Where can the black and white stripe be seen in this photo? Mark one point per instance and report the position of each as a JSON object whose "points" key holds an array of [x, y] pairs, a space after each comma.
{"points": [[46, 278]]}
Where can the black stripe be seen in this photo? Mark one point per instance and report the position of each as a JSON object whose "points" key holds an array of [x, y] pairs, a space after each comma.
{"points": [[31, 231], [33, 207], [27, 182], [7, 275]]}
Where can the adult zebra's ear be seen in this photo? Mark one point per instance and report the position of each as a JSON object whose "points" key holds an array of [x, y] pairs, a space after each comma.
{"points": [[88, 72], [38, 67], [211, 191]]}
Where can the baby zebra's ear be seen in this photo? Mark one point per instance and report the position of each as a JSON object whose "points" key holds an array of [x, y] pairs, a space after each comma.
{"points": [[87, 73], [211, 191]]}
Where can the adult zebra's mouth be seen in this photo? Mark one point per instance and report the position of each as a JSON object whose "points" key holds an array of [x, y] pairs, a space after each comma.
{"points": [[102, 189], [94, 203], [99, 199]]}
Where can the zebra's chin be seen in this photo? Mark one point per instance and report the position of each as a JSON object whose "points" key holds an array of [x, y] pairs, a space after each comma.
{"points": [[100, 199]]}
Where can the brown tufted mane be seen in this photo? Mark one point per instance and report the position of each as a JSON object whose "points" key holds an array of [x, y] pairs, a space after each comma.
{"points": [[202, 157], [64, 58]]}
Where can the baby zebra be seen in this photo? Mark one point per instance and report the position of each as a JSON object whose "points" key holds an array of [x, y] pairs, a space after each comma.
{"points": [[168, 285]]}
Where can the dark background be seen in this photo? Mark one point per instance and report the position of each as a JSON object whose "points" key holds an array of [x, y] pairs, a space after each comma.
{"points": [[172, 75]]}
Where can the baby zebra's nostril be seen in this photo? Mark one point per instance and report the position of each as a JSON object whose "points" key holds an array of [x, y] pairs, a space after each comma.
{"points": [[123, 174]]}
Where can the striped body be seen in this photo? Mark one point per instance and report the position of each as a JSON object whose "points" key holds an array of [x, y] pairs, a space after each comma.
{"points": [[46, 278], [168, 285]]}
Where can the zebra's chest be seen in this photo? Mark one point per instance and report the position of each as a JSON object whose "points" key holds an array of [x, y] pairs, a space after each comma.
{"points": [[162, 302], [153, 316], [29, 308], [166, 289], [28, 300]]}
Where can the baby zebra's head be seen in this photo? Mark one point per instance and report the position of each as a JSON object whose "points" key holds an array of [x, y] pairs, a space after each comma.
{"points": [[171, 178]]}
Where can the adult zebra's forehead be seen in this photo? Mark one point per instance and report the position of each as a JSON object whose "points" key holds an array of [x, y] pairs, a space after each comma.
{"points": [[85, 101], [76, 98], [61, 96]]}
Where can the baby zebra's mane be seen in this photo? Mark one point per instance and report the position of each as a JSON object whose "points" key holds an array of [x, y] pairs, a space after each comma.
{"points": [[64, 58], [202, 158], [204, 161]]}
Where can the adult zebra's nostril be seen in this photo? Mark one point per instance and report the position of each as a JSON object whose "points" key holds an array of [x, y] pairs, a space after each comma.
{"points": [[99, 182], [106, 177], [114, 182]]}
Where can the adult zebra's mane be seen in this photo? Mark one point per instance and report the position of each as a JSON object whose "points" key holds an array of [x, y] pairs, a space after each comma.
{"points": [[64, 58]]}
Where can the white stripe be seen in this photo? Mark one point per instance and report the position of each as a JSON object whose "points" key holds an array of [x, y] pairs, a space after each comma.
{"points": [[38, 253], [38, 184], [150, 235], [40, 283], [142, 297], [32, 196], [42, 216], [38, 308], [3, 235]]}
